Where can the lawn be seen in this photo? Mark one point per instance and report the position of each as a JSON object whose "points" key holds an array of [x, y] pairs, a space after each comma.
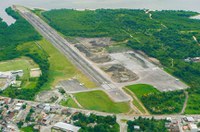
{"points": [[98, 100], [141, 89], [69, 103]]}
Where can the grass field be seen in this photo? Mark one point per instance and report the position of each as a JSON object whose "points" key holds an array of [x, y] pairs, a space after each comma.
{"points": [[135, 101], [141, 89], [98, 100], [23, 63], [60, 67], [27, 129], [69, 103], [193, 105], [138, 90]]}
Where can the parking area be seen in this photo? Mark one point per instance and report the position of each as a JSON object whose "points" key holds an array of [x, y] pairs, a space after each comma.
{"points": [[72, 85]]}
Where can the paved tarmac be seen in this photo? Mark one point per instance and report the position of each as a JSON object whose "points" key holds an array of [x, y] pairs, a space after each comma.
{"points": [[148, 73]]}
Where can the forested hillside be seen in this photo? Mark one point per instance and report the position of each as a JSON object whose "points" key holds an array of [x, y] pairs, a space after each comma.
{"points": [[165, 35]]}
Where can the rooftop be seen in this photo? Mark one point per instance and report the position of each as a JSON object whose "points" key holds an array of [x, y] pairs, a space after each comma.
{"points": [[65, 126]]}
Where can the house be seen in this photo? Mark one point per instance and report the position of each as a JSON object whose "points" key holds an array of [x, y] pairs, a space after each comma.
{"points": [[64, 127], [47, 108], [189, 119], [193, 127], [136, 127], [18, 106], [35, 72]]}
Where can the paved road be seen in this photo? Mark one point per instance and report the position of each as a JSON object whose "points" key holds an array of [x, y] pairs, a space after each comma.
{"points": [[74, 55]]}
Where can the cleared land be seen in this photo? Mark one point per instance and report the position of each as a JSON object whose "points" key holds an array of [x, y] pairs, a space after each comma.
{"points": [[98, 100], [148, 72]]}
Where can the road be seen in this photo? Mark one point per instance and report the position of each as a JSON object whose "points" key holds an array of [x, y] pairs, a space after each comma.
{"points": [[120, 118], [185, 103], [74, 55]]}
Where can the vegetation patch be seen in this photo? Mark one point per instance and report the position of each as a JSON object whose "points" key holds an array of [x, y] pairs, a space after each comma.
{"points": [[146, 124], [142, 89], [135, 101], [69, 103], [158, 102], [193, 104], [98, 100], [94, 123], [164, 103], [28, 129]]}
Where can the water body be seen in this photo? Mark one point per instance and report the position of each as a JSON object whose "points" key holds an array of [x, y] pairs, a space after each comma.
{"points": [[192, 5], [196, 17]]}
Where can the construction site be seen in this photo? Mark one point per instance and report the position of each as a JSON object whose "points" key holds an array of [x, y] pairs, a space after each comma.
{"points": [[128, 67]]}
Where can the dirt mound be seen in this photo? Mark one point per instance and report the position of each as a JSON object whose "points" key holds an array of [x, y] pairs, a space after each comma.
{"points": [[100, 58], [119, 73]]}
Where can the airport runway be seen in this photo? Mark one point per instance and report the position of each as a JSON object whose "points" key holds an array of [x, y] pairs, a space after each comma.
{"points": [[74, 55]]}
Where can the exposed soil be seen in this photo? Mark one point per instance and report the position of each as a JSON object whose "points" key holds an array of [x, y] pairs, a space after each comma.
{"points": [[47, 97], [94, 48], [119, 73]]}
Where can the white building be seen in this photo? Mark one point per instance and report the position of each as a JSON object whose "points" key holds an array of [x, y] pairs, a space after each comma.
{"points": [[61, 126], [193, 127], [18, 106], [9, 78], [47, 108]]}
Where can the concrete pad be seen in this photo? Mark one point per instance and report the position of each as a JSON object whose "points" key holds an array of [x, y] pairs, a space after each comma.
{"points": [[72, 85], [148, 73], [117, 95]]}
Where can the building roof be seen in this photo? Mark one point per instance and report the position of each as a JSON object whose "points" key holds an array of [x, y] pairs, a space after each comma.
{"points": [[17, 108], [19, 104], [190, 119], [65, 126], [193, 126], [137, 127]]}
